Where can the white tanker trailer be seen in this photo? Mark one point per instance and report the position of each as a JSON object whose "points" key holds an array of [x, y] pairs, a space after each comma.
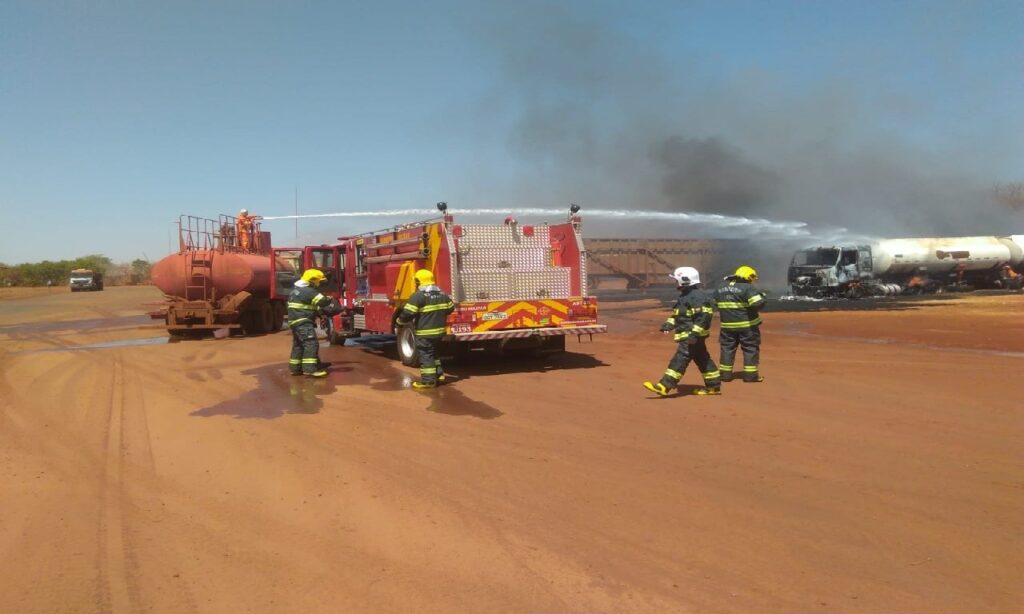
{"points": [[898, 266]]}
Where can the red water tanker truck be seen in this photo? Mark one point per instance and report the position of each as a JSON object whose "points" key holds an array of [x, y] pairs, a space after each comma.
{"points": [[214, 283]]}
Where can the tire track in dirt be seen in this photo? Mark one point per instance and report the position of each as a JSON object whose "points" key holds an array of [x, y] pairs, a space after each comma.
{"points": [[115, 590], [142, 495]]}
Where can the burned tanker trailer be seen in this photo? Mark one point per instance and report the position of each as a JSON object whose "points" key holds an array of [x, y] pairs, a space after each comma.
{"points": [[217, 282], [904, 266]]}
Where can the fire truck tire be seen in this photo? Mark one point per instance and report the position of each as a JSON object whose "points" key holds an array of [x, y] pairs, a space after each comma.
{"points": [[407, 347]]}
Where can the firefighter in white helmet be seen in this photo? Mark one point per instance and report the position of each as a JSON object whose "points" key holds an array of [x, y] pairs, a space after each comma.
{"points": [[689, 324], [427, 311], [245, 224]]}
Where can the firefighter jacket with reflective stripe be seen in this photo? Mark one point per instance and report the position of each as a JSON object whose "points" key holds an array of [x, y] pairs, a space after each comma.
{"points": [[738, 304], [304, 302], [428, 307], [691, 315]]}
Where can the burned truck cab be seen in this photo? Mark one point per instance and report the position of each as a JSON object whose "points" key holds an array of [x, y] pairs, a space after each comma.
{"points": [[829, 271]]}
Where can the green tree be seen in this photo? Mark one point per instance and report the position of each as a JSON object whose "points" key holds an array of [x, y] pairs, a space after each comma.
{"points": [[38, 273], [93, 262], [140, 270]]}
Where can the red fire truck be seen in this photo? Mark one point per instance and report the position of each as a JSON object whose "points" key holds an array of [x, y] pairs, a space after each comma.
{"points": [[514, 286]]}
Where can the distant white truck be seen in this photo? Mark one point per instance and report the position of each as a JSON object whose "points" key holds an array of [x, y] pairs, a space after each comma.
{"points": [[86, 279]]}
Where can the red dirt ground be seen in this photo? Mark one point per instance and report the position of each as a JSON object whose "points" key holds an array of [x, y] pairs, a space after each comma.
{"points": [[878, 469]]}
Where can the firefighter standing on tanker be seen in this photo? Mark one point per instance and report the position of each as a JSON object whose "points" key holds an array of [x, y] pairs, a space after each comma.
{"points": [[739, 304], [304, 301], [246, 225], [690, 323], [428, 309]]}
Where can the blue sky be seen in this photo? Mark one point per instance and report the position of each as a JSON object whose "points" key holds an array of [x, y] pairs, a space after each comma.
{"points": [[117, 117]]}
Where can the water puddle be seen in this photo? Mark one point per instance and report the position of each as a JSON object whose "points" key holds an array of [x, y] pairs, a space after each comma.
{"points": [[35, 328], [382, 373], [120, 343], [279, 393], [450, 401]]}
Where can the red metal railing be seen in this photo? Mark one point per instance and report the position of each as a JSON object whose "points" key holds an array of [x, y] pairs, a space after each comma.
{"points": [[199, 239]]}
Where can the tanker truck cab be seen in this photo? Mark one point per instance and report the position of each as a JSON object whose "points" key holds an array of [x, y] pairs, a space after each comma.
{"points": [[830, 272], [288, 264]]}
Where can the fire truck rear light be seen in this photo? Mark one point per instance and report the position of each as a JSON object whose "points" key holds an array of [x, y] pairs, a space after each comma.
{"points": [[457, 231]]}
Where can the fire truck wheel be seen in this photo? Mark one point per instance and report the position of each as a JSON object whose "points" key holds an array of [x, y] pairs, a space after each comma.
{"points": [[407, 347]]}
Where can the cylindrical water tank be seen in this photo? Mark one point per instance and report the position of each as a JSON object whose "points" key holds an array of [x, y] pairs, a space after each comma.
{"points": [[1015, 244], [228, 273], [905, 256]]}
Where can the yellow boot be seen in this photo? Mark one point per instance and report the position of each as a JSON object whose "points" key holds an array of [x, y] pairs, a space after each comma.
{"points": [[657, 388]]}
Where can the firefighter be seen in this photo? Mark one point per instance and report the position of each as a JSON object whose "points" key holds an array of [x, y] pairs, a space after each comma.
{"points": [[304, 302], [739, 304], [428, 310], [245, 224], [690, 322]]}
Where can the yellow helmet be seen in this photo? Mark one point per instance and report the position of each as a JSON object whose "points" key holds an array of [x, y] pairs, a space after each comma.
{"points": [[314, 277], [746, 272], [424, 277]]}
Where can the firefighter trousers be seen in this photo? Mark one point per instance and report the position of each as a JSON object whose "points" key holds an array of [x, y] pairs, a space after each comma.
{"points": [[305, 356], [747, 339], [698, 353], [430, 364]]}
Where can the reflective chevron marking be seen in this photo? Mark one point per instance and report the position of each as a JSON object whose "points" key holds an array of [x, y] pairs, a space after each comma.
{"points": [[532, 332]]}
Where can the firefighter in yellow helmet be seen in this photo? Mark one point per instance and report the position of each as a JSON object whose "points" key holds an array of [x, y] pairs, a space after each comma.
{"points": [[427, 311], [739, 305], [304, 303]]}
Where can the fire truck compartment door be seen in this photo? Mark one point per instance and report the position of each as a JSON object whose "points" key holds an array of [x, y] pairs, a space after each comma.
{"points": [[399, 276]]}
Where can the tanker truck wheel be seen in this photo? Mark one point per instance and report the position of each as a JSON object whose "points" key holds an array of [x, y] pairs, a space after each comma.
{"points": [[407, 347], [252, 322], [280, 311], [265, 318]]}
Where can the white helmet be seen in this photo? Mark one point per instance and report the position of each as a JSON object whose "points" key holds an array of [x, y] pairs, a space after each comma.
{"points": [[686, 276], [243, 212]]}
